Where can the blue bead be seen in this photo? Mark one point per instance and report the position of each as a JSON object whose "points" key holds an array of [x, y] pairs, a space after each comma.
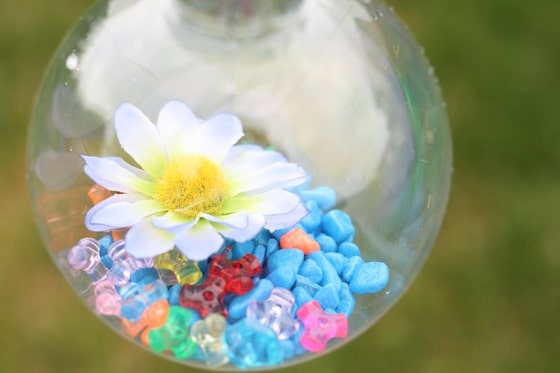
{"points": [[280, 232], [330, 275], [302, 296], [327, 297], [251, 344], [238, 306], [240, 249], [260, 253], [283, 277], [349, 249], [324, 196], [350, 266], [144, 276], [173, 294], [104, 243], [299, 349], [338, 225], [307, 284], [337, 260], [271, 246], [327, 243], [311, 223], [311, 270], [285, 257], [369, 278], [203, 266], [347, 301], [137, 298], [262, 238], [288, 349], [107, 261], [133, 310]]}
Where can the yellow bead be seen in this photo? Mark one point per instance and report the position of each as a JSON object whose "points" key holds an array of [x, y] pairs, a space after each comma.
{"points": [[185, 271]]}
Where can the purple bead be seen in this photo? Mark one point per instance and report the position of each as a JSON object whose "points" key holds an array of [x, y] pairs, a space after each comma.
{"points": [[276, 313], [124, 265], [85, 256]]}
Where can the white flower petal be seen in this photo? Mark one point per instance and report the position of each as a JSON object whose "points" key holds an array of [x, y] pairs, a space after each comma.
{"points": [[218, 134], [281, 221], [237, 149], [242, 160], [238, 220], [275, 202], [120, 211], [277, 175], [117, 175], [199, 242], [139, 137], [172, 221], [178, 128], [255, 223], [144, 240]]}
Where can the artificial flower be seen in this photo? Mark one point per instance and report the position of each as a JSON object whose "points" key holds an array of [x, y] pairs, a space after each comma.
{"points": [[193, 187]]}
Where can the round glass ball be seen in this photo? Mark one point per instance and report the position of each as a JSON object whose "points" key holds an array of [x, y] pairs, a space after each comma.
{"points": [[338, 87]]}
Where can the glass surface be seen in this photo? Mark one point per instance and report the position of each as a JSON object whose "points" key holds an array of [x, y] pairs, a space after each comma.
{"points": [[338, 87]]}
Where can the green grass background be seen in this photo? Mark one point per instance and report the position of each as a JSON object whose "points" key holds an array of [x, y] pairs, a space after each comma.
{"points": [[488, 298]]}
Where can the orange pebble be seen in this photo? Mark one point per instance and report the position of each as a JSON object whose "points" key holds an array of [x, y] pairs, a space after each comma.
{"points": [[155, 316], [297, 238], [119, 234], [132, 328], [97, 193]]}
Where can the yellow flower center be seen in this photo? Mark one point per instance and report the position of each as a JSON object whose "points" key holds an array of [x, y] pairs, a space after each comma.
{"points": [[191, 185]]}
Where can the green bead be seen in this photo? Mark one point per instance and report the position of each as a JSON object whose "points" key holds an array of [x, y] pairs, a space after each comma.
{"points": [[174, 335]]}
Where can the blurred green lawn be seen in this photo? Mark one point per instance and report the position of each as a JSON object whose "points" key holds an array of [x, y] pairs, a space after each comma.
{"points": [[487, 299]]}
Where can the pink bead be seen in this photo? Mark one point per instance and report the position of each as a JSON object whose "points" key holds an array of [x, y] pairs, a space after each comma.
{"points": [[320, 327], [107, 300]]}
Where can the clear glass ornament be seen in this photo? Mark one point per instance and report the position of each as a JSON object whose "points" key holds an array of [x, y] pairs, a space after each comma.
{"points": [[338, 87]]}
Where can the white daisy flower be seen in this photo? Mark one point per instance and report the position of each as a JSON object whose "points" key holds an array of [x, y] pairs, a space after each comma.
{"points": [[194, 186]]}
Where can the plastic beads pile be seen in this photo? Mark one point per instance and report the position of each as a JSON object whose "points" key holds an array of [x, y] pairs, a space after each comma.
{"points": [[256, 303]]}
